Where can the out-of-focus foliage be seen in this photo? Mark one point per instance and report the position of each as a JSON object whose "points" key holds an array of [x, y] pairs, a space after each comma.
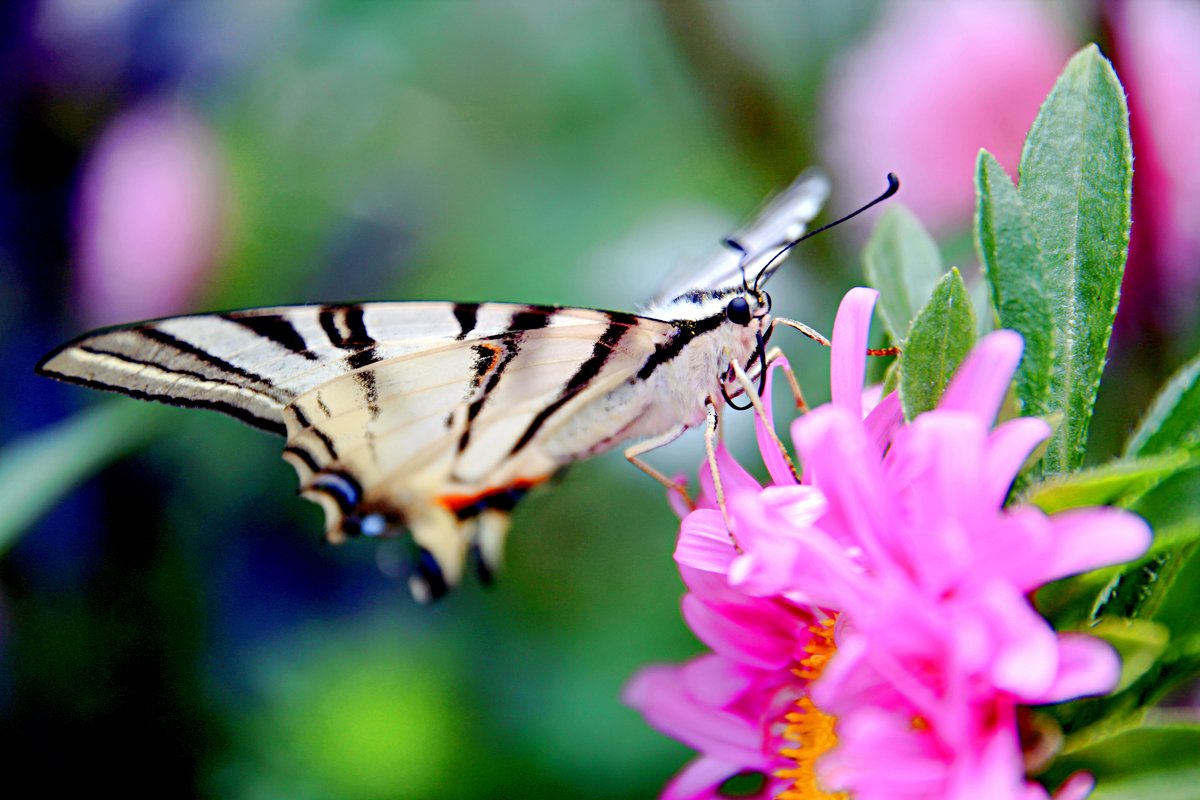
{"points": [[176, 614]]}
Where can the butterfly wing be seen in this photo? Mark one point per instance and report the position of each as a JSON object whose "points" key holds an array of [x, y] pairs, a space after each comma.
{"points": [[430, 416], [781, 220]]}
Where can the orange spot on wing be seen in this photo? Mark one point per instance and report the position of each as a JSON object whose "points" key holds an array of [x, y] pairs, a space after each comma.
{"points": [[457, 503]]}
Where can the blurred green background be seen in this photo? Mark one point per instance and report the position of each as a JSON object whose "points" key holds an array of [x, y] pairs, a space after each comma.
{"points": [[174, 623]]}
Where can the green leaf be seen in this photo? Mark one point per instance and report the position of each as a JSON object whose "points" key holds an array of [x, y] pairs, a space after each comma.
{"points": [[1173, 419], [901, 260], [1177, 781], [1011, 259], [1076, 178], [1156, 759], [40, 468], [1139, 591], [891, 377], [1115, 483], [937, 342]]}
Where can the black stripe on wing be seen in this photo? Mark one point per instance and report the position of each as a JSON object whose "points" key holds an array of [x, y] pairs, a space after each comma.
{"points": [[165, 339], [304, 423], [237, 412], [227, 375], [467, 315], [603, 350], [346, 328], [277, 328], [523, 321]]}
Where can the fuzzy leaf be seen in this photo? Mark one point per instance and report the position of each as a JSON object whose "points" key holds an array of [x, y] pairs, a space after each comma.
{"points": [[1173, 419], [1076, 177], [937, 342], [901, 260], [1116, 483], [1015, 275], [1139, 591]]}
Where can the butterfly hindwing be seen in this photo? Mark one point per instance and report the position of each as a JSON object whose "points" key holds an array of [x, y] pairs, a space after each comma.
{"points": [[442, 441]]}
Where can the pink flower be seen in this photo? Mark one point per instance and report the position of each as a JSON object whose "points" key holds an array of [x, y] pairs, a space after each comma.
{"points": [[1155, 55], [901, 531], [150, 216], [934, 83]]}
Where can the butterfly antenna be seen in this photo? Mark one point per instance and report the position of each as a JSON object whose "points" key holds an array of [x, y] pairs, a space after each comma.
{"points": [[736, 245], [892, 187]]}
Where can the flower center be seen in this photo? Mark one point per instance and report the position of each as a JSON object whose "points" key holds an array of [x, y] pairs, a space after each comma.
{"points": [[810, 728]]}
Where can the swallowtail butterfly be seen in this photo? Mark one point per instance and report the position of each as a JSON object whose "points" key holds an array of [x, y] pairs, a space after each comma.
{"points": [[436, 418]]}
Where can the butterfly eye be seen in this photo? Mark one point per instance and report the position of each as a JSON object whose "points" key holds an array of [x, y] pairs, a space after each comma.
{"points": [[738, 311]]}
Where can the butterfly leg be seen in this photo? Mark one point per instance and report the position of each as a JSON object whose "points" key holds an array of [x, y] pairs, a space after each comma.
{"points": [[634, 453], [761, 412], [773, 355], [812, 334], [711, 429], [800, 326]]}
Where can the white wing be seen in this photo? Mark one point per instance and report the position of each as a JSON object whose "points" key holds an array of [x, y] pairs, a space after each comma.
{"points": [[780, 221]]}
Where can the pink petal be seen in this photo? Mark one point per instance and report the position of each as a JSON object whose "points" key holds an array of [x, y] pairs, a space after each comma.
{"points": [[1087, 666], [1155, 55], [881, 756], [841, 462], [715, 680], [658, 694], [1076, 787], [801, 506], [990, 766], [932, 84], [848, 356], [1025, 658], [982, 380], [734, 477], [939, 459], [704, 542], [745, 634], [150, 215], [775, 535], [1088, 538], [885, 417], [1008, 447], [700, 780], [675, 501], [777, 465]]}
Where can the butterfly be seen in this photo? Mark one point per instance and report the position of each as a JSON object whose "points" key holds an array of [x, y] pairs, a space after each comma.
{"points": [[437, 417]]}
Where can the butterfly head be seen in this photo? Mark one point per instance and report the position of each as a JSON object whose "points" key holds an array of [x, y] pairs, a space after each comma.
{"points": [[748, 307]]}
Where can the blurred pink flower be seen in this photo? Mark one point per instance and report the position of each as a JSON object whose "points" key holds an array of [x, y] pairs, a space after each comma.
{"points": [[900, 531], [934, 83], [1156, 57], [149, 217]]}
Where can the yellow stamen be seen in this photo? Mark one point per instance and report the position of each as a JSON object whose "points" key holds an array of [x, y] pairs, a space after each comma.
{"points": [[810, 727]]}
